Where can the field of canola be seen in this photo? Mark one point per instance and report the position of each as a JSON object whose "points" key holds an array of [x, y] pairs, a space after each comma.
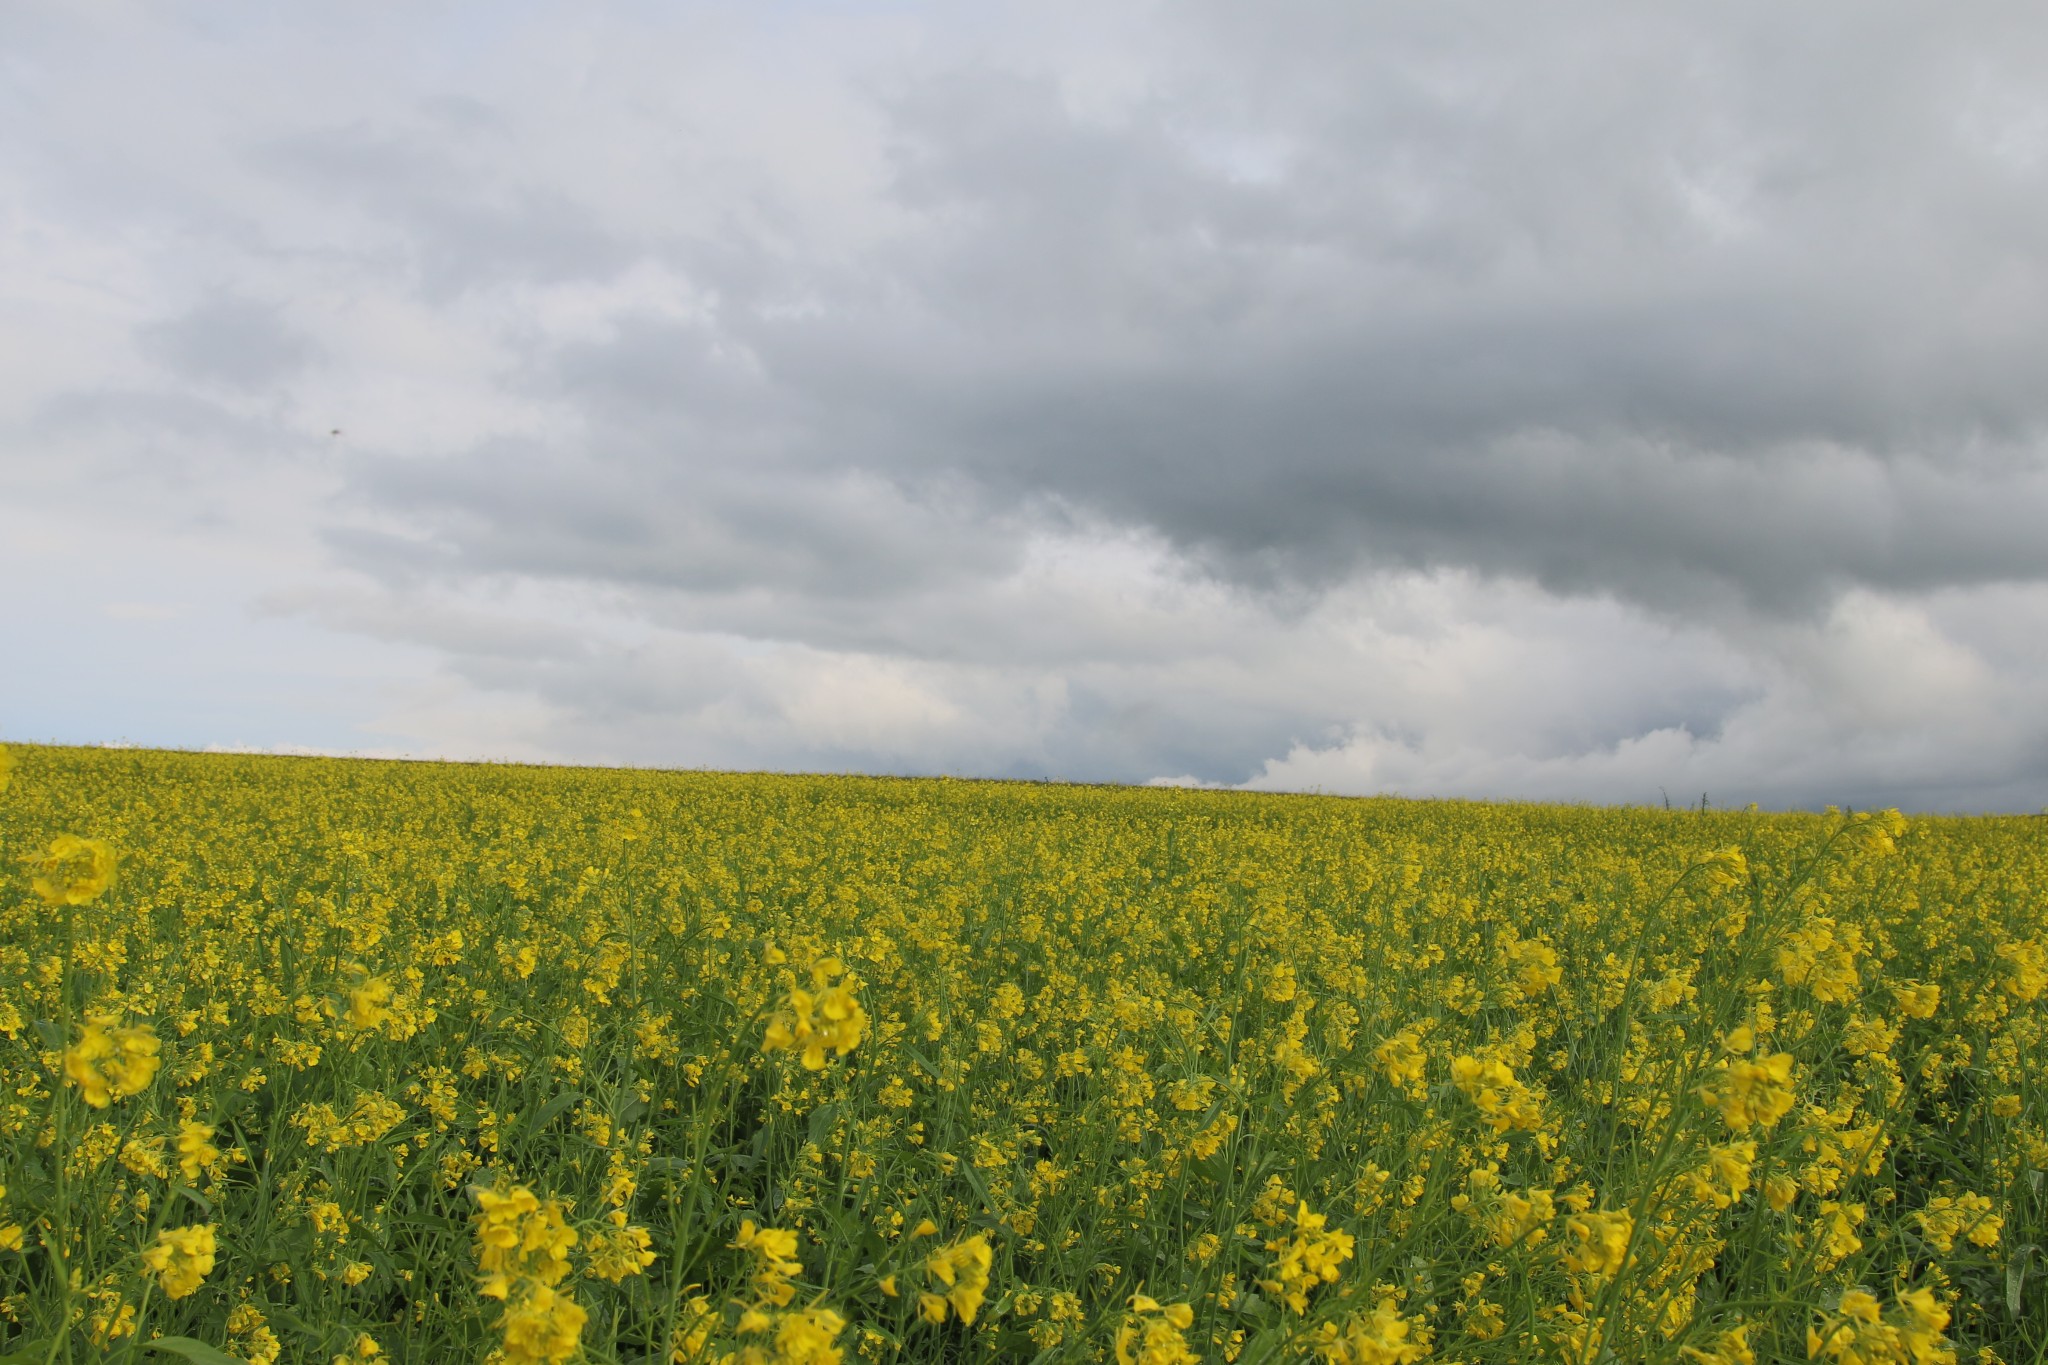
{"points": [[341, 1061]]}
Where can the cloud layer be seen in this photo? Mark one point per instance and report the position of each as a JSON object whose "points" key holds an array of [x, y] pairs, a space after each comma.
{"points": [[1576, 403]]}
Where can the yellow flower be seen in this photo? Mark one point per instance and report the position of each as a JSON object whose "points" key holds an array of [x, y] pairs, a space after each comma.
{"points": [[363, 1350], [827, 1017], [1915, 1000], [1503, 1101], [963, 1268], [6, 766], [109, 1062], [693, 1329], [1153, 1335], [72, 871], [113, 1317], [1724, 868], [1381, 1337], [181, 1258], [541, 1324], [1403, 1058], [2026, 966], [196, 1152], [1838, 1224], [1596, 1243], [1751, 1093], [369, 1002], [1534, 966], [618, 1252], [1726, 1174], [808, 1336], [520, 1237], [1728, 1348], [1311, 1257], [1506, 1216], [1858, 1333], [1945, 1218], [775, 1263], [255, 1342]]}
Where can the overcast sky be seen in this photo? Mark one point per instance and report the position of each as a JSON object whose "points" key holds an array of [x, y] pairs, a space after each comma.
{"points": [[1571, 401]]}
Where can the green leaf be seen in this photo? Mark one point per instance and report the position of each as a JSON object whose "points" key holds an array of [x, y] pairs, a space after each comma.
{"points": [[198, 1352], [551, 1111], [28, 1353], [966, 1169], [187, 1192], [2016, 1276]]}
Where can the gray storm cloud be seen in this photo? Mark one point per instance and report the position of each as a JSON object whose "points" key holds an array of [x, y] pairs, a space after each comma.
{"points": [[1681, 311], [1570, 402]]}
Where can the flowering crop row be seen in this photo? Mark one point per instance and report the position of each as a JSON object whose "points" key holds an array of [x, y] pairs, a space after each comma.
{"points": [[322, 1060]]}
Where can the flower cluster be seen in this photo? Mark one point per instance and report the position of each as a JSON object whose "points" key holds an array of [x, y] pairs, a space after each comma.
{"points": [[1153, 1334], [803, 1336], [825, 1018], [1504, 1103], [522, 1245], [72, 871], [181, 1258], [1596, 1244], [1381, 1337], [111, 1061], [1965, 1215], [1313, 1255], [1859, 1332], [962, 1269], [773, 1255], [1508, 1217], [1750, 1093]]}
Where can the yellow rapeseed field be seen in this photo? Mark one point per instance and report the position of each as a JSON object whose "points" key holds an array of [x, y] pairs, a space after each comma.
{"points": [[341, 1061]]}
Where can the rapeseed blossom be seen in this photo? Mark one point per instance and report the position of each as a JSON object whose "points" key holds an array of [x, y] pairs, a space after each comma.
{"points": [[111, 1061], [1403, 1058], [540, 1324], [1311, 1256], [196, 1152], [1154, 1334], [963, 1269], [826, 1017], [251, 1334], [1597, 1243], [181, 1259], [368, 1002], [1725, 1176], [1381, 1337], [620, 1250], [1503, 1102], [72, 871], [523, 1245], [1859, 1332], [1534, 966], [1966, 1215], [2026, 968], [774, 1260], [520, 1236], [1750, 1093], [805, 1336]]}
